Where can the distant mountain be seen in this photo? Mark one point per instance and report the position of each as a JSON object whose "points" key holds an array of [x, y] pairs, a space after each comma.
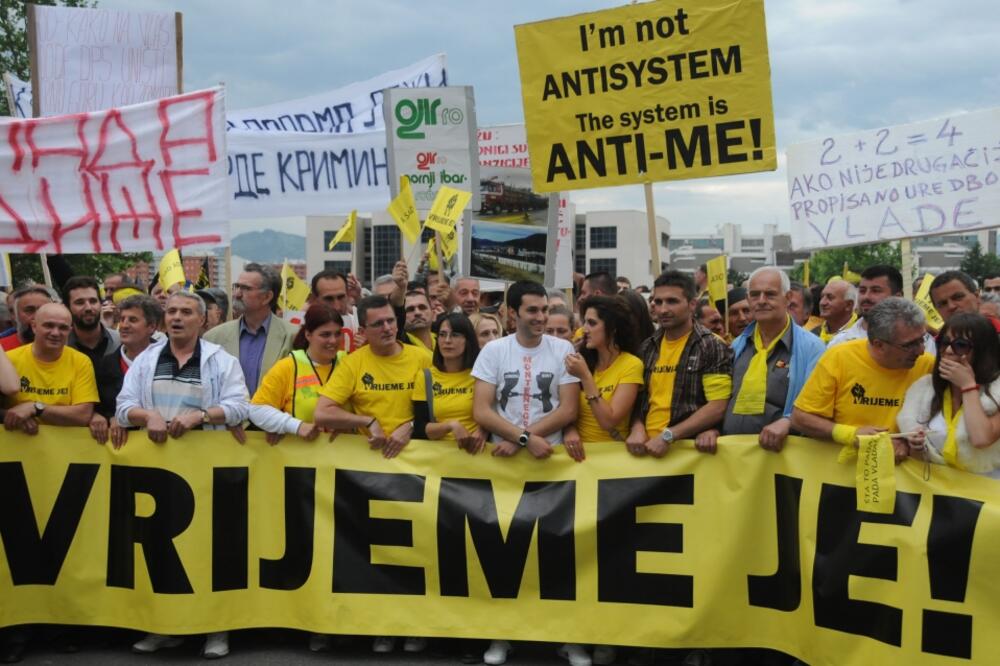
{"points": [[269, 246], [533, 242]]}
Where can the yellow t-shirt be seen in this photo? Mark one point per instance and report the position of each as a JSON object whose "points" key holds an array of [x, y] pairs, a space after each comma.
{"points": [[661, 383], [379, 386], [850, 388], [626, 369], [420, 343], [68, 381], [276, 386], [452, 396]]}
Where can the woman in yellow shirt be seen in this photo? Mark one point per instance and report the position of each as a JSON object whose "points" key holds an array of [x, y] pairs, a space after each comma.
{"points": [[609, 371], [286, 398], [442, 393]]}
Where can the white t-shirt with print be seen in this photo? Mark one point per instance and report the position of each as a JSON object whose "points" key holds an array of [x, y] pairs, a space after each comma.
{"points": [[527, 380]]}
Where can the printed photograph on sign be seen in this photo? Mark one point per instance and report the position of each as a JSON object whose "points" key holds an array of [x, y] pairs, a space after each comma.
{"points": [[508, 251], [507, 197]]}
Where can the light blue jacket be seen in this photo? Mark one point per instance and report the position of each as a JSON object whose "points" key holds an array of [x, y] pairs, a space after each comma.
{"points": [[806, 350]]}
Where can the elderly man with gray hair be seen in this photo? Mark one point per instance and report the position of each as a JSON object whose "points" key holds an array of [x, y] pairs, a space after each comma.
{"points": [[836, 306], [857, 388], [184, 383]]}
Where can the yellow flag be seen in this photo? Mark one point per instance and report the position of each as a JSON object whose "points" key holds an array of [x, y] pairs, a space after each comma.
{"points": [[404, 210], [347, 232], [447, 208], [171, 269], [805, 273], [850, 275], [923, 299], [876, 474], [717, 278], [294, 291], [449, 243]]}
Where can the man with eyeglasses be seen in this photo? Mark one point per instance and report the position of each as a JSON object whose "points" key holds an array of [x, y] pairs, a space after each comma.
{"points": [[257, 338], [953, 292], [857, 387], [878, 283], [376, 382]]}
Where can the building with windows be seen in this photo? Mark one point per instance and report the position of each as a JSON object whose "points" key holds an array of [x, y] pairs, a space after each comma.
{"points": [[617, 241]]}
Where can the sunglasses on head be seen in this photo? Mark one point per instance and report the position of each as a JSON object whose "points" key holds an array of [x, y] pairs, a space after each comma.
{"points": [[960, 346]]}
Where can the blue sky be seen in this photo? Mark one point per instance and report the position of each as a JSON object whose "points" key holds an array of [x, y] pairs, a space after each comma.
{"points": [[836, 66]]}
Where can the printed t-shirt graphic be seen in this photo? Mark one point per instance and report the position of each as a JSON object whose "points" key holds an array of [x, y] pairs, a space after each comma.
{"points": [[527, 380], [379, 386], [850, 388], [67, 381], [661, 383], [452, 397], [626, 369]]}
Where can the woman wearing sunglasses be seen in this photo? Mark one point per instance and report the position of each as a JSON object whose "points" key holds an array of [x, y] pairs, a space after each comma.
{"points": [[954, 410]]}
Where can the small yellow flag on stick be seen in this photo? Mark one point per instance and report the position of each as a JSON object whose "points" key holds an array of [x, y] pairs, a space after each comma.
{"points": [[805, 273], [923, 299], [404, 210], [850, 275], [717, 278], [449, 243], [447, 209], [294, 291], [171, 269], [347, 232], [432, 255], [875, 474]]}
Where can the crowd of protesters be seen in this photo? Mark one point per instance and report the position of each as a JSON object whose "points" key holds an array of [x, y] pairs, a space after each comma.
{"points": [[518, 373]]}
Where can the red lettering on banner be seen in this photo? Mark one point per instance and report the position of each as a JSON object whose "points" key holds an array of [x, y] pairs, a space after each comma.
{"points": [[15, 146], [91, 217], [30, 244], [38, 153], [166, 177], [208, 98]]}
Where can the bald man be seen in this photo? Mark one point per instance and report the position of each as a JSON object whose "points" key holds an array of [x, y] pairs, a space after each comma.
{"points": [[57, 384]]}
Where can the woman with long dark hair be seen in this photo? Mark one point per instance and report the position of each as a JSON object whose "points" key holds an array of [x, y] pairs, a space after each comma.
{"points": [[609, 371], [955, 408], [286, 398], [442, 393]]}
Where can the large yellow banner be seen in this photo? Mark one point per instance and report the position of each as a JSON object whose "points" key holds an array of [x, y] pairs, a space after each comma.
{"points": [[647, 92], [742, 548]]}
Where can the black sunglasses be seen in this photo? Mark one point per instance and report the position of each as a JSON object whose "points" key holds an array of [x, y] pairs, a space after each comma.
{"points": [[960, 346]]}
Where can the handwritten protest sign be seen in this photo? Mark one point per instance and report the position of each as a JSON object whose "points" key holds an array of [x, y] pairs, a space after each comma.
{"points": [[934, 177], [18, 95], [356, 107], [145, 177], [90, 59], [647, 92], [320, 154]]}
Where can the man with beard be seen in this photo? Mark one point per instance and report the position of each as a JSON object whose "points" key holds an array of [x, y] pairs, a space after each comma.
{"points": [[688, 374], [89, 335], [140, 317], [878, 283], [26, 302], [418, 320]]}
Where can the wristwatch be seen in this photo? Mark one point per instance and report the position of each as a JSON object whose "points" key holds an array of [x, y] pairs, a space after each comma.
{"points": [[667, 436], [523, 438], [205, 418], [39, 408]]}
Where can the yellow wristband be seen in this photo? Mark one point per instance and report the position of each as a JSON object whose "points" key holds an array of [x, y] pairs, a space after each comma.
{"points": [[844, 434]]}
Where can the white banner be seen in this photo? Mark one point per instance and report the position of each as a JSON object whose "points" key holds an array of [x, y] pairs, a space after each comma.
{"points": [[356, 107], [934, 177], [293, 173], [150, 176], [431, 136], [337, 164], [18, 95], [93, 59]]}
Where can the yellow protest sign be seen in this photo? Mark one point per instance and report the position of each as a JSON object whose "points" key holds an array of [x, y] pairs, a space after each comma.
{"points": [[171, 269], [433, 251], [923, 299], [757, 549], [347, 232], [717, 278], [805, 273], [294, 292], [447, 209], [449, 243], [875, 474], [649, 91], [404, 210]]}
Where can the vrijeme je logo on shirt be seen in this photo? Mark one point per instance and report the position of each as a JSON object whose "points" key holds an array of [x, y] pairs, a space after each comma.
{"points": [[661, 369], [455, 390], [371, 385], [26, 387], [860, 396]]}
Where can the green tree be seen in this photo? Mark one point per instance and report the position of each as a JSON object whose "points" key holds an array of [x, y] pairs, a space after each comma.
{"points": [[824, 264], [979, 264], [14, 38]]}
